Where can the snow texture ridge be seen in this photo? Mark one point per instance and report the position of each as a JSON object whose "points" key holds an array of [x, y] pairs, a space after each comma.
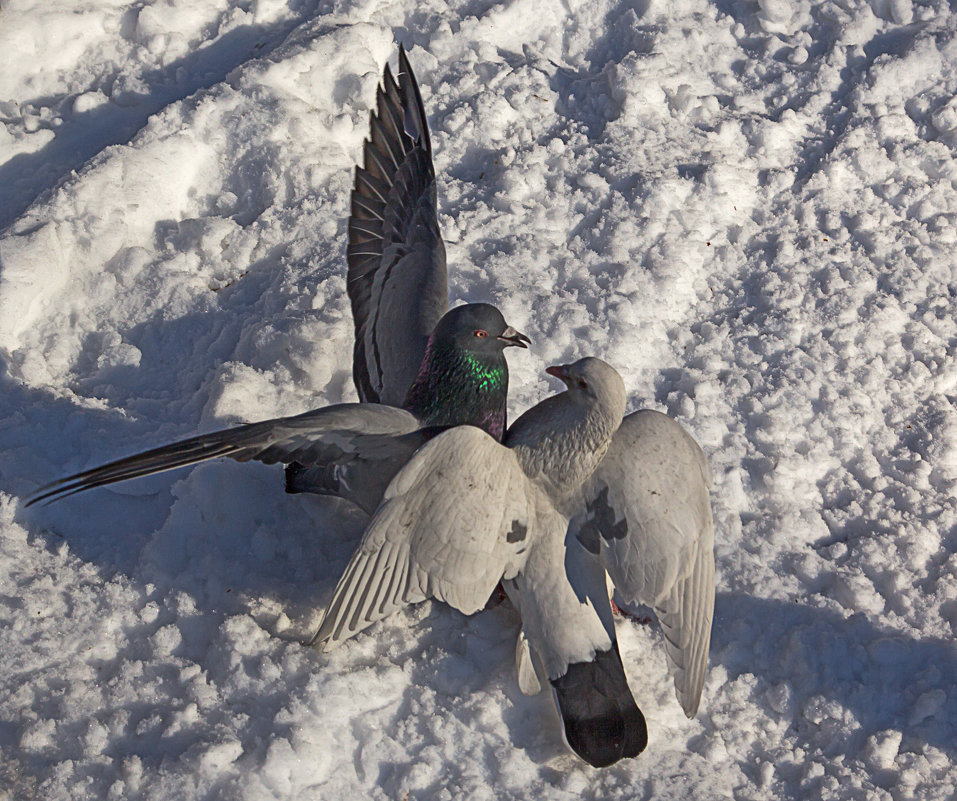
{"points": [[748, 208]]}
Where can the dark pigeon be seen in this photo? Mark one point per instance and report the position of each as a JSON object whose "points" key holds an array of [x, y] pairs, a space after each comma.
{"points": [[364, 444], [441, 367], [462, 380], [406, 353], [397, 280]]}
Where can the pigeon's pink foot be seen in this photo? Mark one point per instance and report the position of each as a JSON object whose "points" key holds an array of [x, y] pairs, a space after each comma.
{"points": [[642, 620]]}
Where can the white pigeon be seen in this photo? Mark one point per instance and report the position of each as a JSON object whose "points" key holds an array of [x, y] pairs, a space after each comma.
{"points": [[576, 491]]}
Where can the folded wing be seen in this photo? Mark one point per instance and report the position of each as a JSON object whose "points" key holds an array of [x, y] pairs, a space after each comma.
{"points": [[460, 516], [647, 517], [397, 279], [350, 431]]}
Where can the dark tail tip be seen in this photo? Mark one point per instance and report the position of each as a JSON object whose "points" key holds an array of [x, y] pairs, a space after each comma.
{"points": [[321, 479], [603, 724], [293, 472]]}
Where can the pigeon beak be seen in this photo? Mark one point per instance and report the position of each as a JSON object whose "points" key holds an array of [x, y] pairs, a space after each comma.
{"points": [[512, 337], [560, 371]]}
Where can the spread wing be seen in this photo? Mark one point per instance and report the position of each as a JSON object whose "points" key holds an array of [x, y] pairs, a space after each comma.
{"points": [[648, 518], [335, 433], [460, 516], [397, 277]]}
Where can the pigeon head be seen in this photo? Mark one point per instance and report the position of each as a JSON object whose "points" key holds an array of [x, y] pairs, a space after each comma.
{"points": [[593, 383], [564, 438], [463, 378], [478, 328]]}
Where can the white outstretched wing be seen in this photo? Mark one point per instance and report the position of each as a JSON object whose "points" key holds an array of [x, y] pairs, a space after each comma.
{"points": [[647, 516], [456, 519]]}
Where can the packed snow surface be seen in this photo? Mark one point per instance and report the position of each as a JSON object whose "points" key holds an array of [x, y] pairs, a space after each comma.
{"points": [[748, 208]]}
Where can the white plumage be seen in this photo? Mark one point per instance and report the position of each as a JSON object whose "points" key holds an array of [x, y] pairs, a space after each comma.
{"points": [[657, 481], [575, 491]]}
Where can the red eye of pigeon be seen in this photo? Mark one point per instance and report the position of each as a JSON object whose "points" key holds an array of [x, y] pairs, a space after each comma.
{"points": [[582, 384], [481, 333]]}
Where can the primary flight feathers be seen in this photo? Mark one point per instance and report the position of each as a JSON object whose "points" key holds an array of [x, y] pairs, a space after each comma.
{"points": [[397, 279], [334, 435]]}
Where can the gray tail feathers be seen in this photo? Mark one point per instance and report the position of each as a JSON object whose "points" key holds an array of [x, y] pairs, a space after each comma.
{"points": [[603, 724]]}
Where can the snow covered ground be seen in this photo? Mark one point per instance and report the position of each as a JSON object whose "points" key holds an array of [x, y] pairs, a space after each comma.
{"points": [[749, 208]]}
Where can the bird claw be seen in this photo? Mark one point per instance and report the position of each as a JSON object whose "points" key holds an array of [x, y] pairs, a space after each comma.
{"points": [[641, 620]]}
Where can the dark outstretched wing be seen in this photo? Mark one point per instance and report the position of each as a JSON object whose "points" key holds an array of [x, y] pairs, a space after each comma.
{"points": [[335, 433], [397, 277], [647, 518]]}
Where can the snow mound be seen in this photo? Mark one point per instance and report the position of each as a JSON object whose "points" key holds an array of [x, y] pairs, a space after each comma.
{"points": [[747, 208]]}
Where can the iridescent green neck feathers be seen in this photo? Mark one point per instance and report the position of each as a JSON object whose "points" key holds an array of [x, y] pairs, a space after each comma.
{"points": [[455, 387]]}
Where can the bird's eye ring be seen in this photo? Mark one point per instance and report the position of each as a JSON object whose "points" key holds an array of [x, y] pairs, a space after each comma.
{"points": [[481, 333], [582, 384]]}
